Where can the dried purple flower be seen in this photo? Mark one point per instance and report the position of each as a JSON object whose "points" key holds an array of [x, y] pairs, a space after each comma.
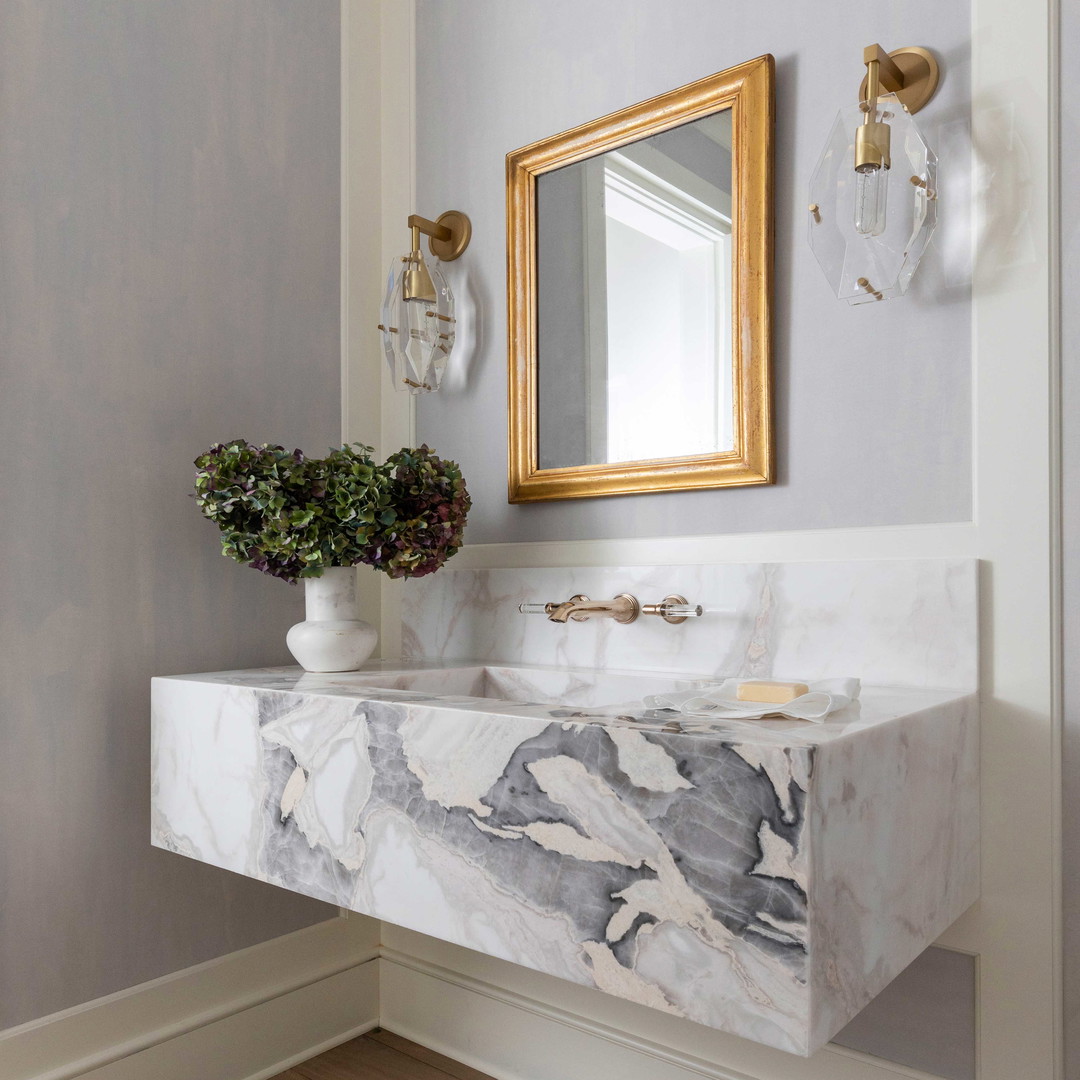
{"points": [[431, 503]]}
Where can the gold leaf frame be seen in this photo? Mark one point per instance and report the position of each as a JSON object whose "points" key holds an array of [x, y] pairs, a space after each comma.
{"points": [[748, 91]]}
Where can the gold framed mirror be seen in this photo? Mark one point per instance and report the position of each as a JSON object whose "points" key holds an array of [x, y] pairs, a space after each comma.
{"points": [[639, 259]]}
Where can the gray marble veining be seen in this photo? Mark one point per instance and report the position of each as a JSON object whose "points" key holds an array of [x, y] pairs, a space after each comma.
{"points": [[762, 877]]}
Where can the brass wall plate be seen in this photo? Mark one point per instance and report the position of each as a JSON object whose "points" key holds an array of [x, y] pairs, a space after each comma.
{"points": [[747, 90], [921, 75], [460, 234]]}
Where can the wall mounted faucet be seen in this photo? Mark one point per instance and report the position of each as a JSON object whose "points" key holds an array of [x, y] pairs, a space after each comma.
{"points": [[624, 608]]}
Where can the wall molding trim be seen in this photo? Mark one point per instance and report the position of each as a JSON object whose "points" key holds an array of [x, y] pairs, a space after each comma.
{"points": [[378, 192], [243, 1016], [948, 540], [1065, 1022], [1015, 928]]}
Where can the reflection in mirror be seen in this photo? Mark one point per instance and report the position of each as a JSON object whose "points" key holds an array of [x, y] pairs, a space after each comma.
{"points": [[634, 269]]}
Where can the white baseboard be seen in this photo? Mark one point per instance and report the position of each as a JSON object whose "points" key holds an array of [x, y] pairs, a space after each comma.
{"points": [[265, 1040], [245, 1016], [515, 1036], [512, 1037], [256, 1013]]}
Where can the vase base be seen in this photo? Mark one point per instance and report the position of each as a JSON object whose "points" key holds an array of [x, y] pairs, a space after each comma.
{"points": [[331, 645]]}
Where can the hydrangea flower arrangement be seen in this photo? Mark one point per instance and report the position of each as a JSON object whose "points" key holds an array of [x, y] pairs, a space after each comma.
{"points": [[292, 516], [431, 504]]}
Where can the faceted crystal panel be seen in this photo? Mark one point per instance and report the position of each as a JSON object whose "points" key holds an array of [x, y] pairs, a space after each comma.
{"points": [[863, 269], [417, 335]]}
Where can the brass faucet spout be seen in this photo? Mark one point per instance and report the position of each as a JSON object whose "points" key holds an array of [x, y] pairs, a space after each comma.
{"points": [[623, 609], [560, 613]]}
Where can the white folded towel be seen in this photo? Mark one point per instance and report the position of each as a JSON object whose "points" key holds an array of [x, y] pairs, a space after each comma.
{"points": [[720, 703]]}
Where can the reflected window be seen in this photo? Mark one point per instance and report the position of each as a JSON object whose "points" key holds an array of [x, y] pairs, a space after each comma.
{"points": [[635, 301], [667, 278]]}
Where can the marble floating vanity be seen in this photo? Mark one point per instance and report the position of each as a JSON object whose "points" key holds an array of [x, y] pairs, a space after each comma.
{"points": [[766, 877]]}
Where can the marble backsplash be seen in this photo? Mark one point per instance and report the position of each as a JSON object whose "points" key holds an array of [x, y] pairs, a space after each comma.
{"points": [[897, 622]]}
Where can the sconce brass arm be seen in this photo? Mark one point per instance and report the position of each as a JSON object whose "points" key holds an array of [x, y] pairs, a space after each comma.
{"points": [[910, 73], [888, 74], [429, 228], [449, 235]]}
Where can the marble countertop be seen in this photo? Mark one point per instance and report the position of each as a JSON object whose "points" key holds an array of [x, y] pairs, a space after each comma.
{"points": [[878, 705]]}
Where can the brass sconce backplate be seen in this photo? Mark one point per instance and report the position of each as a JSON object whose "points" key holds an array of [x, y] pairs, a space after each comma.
{"points": [[918, 76], [448, 236], [460, 229]]}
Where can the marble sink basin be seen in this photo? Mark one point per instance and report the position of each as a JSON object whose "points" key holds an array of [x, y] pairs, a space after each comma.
{"points": [[766, 878], [520, 684]]}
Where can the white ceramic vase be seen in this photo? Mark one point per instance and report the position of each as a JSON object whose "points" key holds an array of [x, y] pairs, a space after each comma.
{"points": [[332, 637]]}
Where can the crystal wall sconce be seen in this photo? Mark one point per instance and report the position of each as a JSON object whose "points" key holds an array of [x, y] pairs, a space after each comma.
{"points": [[418, 323], [873, 195]]}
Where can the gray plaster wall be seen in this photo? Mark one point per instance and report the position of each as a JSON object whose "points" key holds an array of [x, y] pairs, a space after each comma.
{"points": [[873, 404], [168, 277]]}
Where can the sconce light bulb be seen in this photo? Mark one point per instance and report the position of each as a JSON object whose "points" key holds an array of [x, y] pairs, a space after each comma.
{"points": [[871, 196], [872, 161]]}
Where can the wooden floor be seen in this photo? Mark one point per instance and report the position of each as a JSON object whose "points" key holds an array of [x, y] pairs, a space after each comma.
{"points": [[380, 1055]]}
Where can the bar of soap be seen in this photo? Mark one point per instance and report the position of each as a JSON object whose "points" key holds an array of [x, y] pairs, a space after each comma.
{"points": [[773, 693]]}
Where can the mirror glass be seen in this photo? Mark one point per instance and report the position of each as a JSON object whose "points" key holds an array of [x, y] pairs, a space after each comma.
{"points": [[634, 300]]}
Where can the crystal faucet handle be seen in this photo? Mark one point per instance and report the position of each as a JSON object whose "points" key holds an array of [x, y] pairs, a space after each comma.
{"points": [[673, 609], [533, 609]]}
